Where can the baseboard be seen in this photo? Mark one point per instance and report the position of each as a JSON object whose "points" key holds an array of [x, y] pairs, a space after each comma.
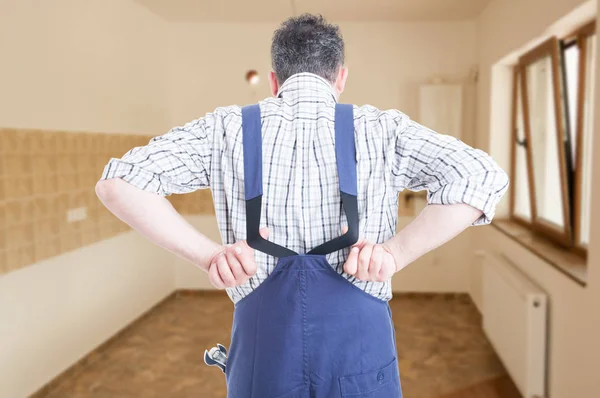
{"points": [[404, 295], [199, 292], [463, 297]]}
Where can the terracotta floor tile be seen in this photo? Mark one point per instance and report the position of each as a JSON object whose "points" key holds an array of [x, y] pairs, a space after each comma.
{"points": [[441, 349]]}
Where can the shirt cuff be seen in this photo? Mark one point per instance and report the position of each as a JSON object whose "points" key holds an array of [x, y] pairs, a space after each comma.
{"points": [[134, 175], [470, 193]]}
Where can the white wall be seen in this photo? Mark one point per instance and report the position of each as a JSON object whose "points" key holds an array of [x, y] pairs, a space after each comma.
{"points": [[574, 347], [387, 62], [84, 66], [55, 312]]}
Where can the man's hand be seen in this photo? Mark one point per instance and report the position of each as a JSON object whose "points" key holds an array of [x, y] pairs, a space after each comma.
{"points": [[370, 261], [435, 225], [233, 265]]}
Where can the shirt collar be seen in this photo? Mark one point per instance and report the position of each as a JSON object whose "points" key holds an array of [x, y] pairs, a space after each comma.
{"points": [[307, 85]]}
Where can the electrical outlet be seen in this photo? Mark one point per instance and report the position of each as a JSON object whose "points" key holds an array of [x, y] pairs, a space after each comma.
{"points": [[77, 214]]}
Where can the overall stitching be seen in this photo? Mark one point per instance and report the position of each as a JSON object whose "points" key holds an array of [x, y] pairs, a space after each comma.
{"points": [[306, 376], [258, 307]]}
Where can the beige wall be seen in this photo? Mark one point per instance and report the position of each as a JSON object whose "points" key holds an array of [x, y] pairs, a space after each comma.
{"points": [[574, 347], [387, 62], [78, 66], [82, 65]]}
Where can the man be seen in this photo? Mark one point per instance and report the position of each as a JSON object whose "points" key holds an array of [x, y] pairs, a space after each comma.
{"points": [[311, 313]]}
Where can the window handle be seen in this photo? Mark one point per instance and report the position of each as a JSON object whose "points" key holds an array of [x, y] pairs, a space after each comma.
{"points": [[522, 142]]}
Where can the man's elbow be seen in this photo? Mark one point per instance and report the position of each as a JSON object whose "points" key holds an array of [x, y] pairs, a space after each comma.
{"points": [[503, 182], [107, 190]]}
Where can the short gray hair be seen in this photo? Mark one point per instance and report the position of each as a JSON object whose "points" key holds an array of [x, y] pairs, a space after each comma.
{"points": [[307, 43]]}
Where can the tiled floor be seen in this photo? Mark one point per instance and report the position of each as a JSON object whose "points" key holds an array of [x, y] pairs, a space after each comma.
{"points": [[500, 387], [441, 350]]}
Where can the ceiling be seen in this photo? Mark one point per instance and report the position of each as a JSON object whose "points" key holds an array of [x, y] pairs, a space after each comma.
{"points": [[334, 10]]}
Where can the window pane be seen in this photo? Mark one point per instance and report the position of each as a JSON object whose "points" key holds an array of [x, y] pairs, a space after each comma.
{"points": [[571, 55], [544, 148], [588, 132], [521, 184]]}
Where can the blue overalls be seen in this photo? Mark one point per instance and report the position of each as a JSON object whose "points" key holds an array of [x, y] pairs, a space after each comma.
{"points": [[307, 332]]}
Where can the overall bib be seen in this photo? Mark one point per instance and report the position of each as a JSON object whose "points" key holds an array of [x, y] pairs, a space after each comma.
{"points": [[307, 332]]}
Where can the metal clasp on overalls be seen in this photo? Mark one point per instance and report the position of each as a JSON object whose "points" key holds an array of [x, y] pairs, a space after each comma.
{"points": [[216, 356]]}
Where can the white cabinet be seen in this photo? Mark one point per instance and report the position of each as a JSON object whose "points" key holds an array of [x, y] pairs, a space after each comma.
{"points": [[441, 108]]}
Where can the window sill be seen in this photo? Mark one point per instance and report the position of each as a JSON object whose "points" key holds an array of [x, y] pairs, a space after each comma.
{"points": [[569, 263]]}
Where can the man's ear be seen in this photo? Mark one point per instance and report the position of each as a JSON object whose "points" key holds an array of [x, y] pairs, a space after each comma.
{"points": [[340, 82], [273, 83]]}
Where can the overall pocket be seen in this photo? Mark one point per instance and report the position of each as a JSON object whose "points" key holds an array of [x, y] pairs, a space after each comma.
{"points": [[379, 383]]}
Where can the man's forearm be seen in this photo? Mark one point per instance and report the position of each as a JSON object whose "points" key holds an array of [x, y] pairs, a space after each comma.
{"points": [[434, 226], [154, 217]]}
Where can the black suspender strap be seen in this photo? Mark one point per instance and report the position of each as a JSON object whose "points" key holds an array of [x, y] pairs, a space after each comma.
{"points": [[252, 143], [345, 152]]}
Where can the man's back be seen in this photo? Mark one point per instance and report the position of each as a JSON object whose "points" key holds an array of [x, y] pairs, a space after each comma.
{"points": [[301, 200]]}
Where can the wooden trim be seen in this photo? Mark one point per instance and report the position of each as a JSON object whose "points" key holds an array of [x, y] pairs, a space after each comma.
{"points": [[549, 47], [538, 52], [583, 31], [581, 43], [581, 251], [582, 36], [589, 29], [543, 256], [521, 221], [514, 138], [526, 124], [560, 138], [552, 231]]}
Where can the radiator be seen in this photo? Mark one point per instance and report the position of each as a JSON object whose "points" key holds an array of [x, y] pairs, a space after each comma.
{"points": [[514, 320]]}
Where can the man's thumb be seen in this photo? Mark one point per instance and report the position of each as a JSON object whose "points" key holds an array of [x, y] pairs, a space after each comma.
{"points": [[264, 232]]}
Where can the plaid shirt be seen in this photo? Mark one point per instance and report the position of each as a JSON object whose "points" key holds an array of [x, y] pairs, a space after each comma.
{"points": [[301, 200]]}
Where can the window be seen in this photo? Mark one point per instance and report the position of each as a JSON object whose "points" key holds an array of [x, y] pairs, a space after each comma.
{"points": [[552, 121]]}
